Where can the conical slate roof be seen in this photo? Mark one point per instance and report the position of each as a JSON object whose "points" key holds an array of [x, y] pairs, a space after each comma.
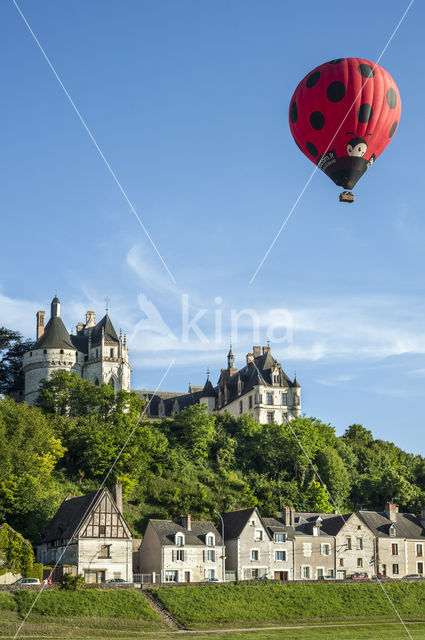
{"points": [[208, 391], [55, 336], [110, 333]]}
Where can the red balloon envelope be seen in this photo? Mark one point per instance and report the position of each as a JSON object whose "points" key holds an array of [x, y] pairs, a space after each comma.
{"points": [[342, 116]]}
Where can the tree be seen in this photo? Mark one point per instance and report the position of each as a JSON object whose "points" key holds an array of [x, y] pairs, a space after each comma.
{"points": [[12, 349]]}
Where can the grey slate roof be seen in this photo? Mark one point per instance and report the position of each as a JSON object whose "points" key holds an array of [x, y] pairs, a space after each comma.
{"points": [[304, 523], [55, 336], [110, 333], [208, 391], [236, 521], [167, 529], [276, 526], [406, 525], [67, 520]]}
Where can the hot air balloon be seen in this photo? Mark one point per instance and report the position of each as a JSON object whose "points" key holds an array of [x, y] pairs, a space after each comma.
{"points": [[342, 116]]}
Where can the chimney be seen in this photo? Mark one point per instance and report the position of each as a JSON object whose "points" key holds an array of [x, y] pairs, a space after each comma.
{"points": [[80, 327], [90, 318], [391, 511], [266, 349], [287, 516], [117, 493], [256, 352], [186, 521], [40, 323], [249, 358]]}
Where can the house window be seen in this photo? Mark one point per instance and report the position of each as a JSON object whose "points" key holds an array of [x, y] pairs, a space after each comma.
{"points": [[359, 526], [211, 555], [307, 548], [180, 555], [330, 573], [341, 562], [179, 540], [269, 398], [254, 573], [392, 531], [306, 572], [258, 534], [419, 550], [105, 551], [210, 573], [420, 567], [250, 402], [325, 549], [284, 398], [102, 529], [348, 543], [320, 572], [210, 541], [359, 562], [171, 576], [280, 537], [270, 416], [280, 555], [240, 406], [255, 554], [359, 543], [259, 398], [394, 549], [395, 569]]}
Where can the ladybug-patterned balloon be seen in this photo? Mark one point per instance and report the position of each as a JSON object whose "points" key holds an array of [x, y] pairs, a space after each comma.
{"points": [[342, 116]]}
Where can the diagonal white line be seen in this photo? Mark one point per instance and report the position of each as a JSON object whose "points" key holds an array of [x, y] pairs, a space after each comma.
{"points": [[283, 225], [95, 496], [338, 513], [91, 136]]}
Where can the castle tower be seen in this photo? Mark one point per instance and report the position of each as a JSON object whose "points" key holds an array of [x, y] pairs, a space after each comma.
{"points": [[53, 351]]}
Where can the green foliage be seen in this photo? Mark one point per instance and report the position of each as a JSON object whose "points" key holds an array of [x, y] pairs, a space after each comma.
{"points": [[90, 602], [12, 349], [73, 583], [16, 554], [7, 601], [36, 571], [29, 451], [271, 602]]}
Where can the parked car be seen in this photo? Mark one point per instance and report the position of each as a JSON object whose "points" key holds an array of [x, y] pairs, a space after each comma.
{"points": [[27, 581], [210, 580], [381, 576], [326, 578], [362, 575], [413, 576], [117, 581]]}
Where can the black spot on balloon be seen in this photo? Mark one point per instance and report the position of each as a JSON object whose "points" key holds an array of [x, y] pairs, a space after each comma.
{"points": [[293, 112], [312, 79], [366, 70], [317, 120], [393, 128], [312, 149], [336, 61], [391, 98], [364, 112], [335, 91]]}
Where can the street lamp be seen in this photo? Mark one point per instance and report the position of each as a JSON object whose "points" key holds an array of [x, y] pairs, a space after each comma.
{"points": [[223, 554]]}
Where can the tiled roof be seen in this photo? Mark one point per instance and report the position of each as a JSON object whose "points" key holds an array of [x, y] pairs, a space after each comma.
{"points": [[167, 529]]}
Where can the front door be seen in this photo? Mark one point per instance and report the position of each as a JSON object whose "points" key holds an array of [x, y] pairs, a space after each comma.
{"points": [[280, 575], [420, 567], [341, 574], [187, 576]]}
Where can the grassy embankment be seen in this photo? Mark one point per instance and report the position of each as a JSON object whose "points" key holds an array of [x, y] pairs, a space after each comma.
{"points": [[250, 605]]}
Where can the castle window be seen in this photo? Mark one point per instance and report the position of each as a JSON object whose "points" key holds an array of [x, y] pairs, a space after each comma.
{"points": [[61, 351], [97, 353], [240, 406], [111, 353], [44, 350], [112, 383], [284, 398], [96, 382], [30, 354], [269, 398], [250, 402]]}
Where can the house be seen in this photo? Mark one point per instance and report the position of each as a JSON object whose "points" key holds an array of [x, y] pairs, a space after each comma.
{"points": [[261, 389], [88, 535], [314, 548], [399, 540], [181, 551]]}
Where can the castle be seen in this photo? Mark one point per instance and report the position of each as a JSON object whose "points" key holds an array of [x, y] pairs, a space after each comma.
{"points": [[261, 388], [95, 352]]}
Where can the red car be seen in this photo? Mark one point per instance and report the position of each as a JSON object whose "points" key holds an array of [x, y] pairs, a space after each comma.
{"points": [[359, 576], [381, 576]]}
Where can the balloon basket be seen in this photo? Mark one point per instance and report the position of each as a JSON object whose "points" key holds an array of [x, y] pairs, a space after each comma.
{"points": [[346, 196]]}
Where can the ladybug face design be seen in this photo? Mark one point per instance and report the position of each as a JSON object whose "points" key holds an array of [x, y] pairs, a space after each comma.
{"points": [[356, 147]]}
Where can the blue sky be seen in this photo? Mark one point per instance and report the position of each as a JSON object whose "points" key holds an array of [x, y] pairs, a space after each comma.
{"points": [[188, 101]]}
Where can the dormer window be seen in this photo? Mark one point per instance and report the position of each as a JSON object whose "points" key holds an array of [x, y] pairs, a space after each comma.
{"points": [[239, 386], [179, 540], [392, 531], [210, 540], [61, 351], [280, 537]]}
